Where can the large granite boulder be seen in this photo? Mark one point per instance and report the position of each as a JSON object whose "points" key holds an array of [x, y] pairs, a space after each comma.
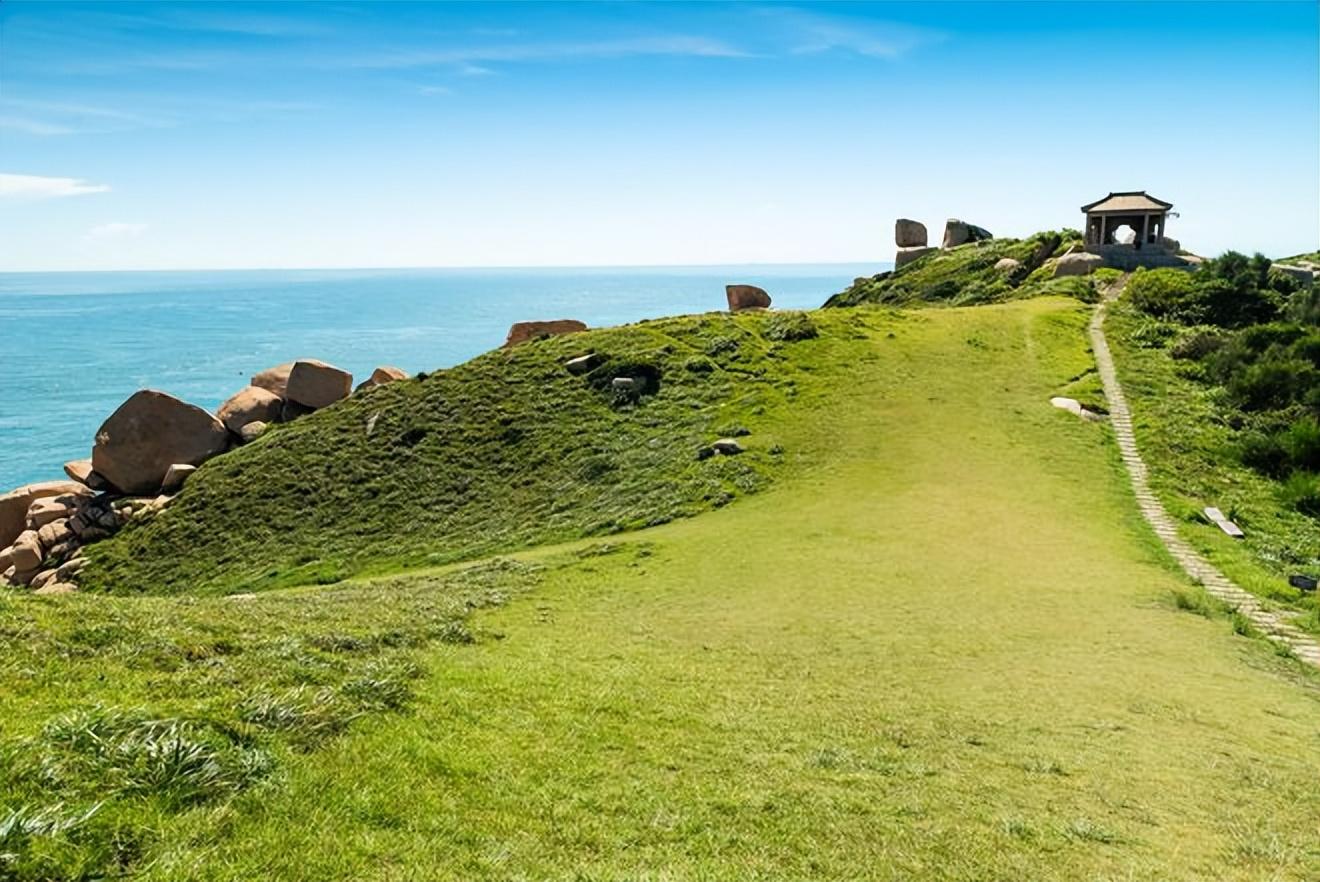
{"points": [[1079, 263], [958, 232], [521, 332], [316, 384], [1302, 274], [26, 555], [382, 375], [907, 255], [14, 505], [80, 470], [742, 297], [150, 432], [274, 379], [248, 405], [909, 233]]}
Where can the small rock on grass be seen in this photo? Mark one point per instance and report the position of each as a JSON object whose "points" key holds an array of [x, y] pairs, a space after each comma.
{"points": [[727, 447]]}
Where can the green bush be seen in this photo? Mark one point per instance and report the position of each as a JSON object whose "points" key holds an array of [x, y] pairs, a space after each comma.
{"points": [[1301, 443], [1302, 492]]}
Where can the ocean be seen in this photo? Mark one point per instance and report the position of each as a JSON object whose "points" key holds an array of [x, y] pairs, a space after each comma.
{"points": [[73, 346]]}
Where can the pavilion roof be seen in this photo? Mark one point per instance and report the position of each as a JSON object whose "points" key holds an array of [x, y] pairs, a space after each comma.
{"points": [[1127, 202]]}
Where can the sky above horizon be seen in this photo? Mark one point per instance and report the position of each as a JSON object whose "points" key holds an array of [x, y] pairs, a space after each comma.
{"points": [[326, 134]]}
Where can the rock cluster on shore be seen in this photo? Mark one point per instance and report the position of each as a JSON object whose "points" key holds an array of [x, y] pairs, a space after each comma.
{"points": [[141, 456]]}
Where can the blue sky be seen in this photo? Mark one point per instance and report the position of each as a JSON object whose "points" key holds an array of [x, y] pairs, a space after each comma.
{"points": [[200, 135]]}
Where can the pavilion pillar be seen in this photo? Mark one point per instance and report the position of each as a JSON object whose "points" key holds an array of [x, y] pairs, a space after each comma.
{"points": [[1103, 219], [1145, 231]]}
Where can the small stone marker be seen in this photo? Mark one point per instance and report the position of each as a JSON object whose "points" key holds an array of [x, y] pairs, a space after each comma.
{"points": [[1217, 518], [727, 447], [1301, 582], [584, 363], [1074, 407]]}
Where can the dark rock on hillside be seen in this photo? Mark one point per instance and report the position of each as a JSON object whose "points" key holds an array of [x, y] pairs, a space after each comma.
{"points": [[909, 233], [958, 232], [584, 363], [148, 433], [316, 384], [742, 297], [521, 332]]}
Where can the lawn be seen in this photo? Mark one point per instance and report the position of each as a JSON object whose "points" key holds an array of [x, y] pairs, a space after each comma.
{"points": [[938, 643]]}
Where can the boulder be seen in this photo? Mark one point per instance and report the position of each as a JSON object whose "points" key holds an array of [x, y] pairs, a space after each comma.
{"points": [[274, 379], [584, 363], [909, 233], [521, 332], [14, 505], [1007, 265], [958, 232], [252, 431], [907, 255], [55, 533], [6, 559], [742, 297], [41, 579], [80, 470], [51, 508], [175, 476], [316, 384], [1302, 274], [25, 554], [147, 434], [248, 405], [624, 384], [292, 410], [55, 588], [382, 375], [727, 447], [1079, 263]]}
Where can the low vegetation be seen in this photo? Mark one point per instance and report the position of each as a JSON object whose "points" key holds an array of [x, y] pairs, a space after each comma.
{"points": [[968, 275]]}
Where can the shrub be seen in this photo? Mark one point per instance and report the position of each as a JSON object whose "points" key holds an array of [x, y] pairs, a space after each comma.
{"points": [[1262, 452], [790, 326], [1302, 492], [1197, 343], [1301, 443], [1167, 294]]}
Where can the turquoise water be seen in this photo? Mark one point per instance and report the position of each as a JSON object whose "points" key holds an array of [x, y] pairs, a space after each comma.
{"points": [[75, 345]]}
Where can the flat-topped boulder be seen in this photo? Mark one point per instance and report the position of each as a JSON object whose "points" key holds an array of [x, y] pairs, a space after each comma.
{"points": [[275, 379], [150, 432], [14, 505], [1079, 263], [315, 384], [742, 297], [909, 233], [957, 232], [249, 405], [521, 332]]}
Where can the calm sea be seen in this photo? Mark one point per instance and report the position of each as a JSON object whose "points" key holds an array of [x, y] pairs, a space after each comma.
{"points": [[75, 345]]}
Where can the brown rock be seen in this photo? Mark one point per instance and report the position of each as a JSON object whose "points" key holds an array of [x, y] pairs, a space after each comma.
{"points": [[316, 384], [909, 233], [958, 232], [14, 505], [380, 376], [26, 554], [1007, 264], [174, 478], [248, 405], [54, 533], [55, 588], [147, 434], [7, 576], [274, 379], [252, 431], [742, 297], [42, 578], [80, 470], [292, 410], [1079, 263], [521, 332], [70, 569], [51, 508], [6, 559]]}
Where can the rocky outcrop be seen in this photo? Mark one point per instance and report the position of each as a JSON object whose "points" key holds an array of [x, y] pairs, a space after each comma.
{"points": [[742, 297], [958, 232], [1303, 275], [521, 332], [274, 379], [150, 432], [315, 384], [1079, 263], [909, 233], [249, 405], [907, 255], [14, 505]]}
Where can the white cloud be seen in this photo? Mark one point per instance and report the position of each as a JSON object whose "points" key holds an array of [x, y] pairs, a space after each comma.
{"points": [[810, 32], [116, 231], [32, 126], [40, 187]]}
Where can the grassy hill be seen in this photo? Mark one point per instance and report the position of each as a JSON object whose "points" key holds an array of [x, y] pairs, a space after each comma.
{"points": [[937, 643]]}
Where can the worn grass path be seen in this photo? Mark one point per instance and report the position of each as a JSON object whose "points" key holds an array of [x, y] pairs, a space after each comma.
{"points": [[946, 651]]}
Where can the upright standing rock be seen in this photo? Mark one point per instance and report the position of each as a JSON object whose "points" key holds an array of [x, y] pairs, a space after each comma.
{"points": [[909, 233], [958, 232], [150, 432], [742, 297], [316, 384]]}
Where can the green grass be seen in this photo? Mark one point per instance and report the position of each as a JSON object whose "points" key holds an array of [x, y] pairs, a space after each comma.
{"points": [[941, 644], [966, 275], [1189, 450]]}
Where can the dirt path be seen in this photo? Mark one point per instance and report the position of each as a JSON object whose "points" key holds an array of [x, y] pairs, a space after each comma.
{"points": [[1272, 624]]}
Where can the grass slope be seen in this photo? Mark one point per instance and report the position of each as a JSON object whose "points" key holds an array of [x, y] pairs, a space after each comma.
{"points": [[506, 450], [942, 646]]}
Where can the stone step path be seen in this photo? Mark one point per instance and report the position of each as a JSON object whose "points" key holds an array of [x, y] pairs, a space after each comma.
{"points": [[1272, 624]]}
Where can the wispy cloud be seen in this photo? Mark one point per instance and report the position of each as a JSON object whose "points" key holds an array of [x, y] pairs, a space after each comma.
{"points": [[118, 230], [467, 58], [24, 125], [812, 32], [39, 187], [62, 118]]}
